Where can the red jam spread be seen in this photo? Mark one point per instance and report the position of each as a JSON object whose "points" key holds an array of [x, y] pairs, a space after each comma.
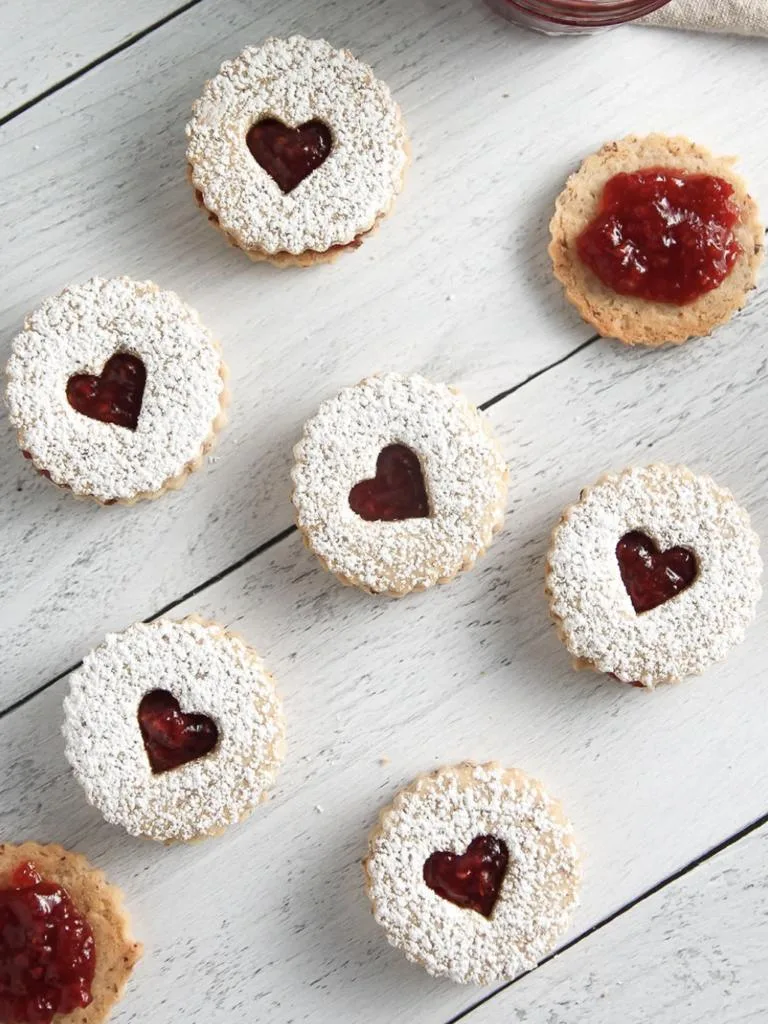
{"points": [[113, 397], [172, 737], [47, 952], [662, 234], [289, 155], [473, 879], [396, 492], [653, 577]]}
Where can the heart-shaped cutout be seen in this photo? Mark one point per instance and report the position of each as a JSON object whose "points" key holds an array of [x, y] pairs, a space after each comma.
{"points": [[472, 880], [289, 155], [653, 577], [396, 492], [171, 736], [115, 396]]}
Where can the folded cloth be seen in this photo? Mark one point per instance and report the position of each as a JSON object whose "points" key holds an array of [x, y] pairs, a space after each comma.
{"points": [[745, 17]]}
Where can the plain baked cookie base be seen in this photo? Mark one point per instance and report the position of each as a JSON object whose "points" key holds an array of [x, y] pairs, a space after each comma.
{"points": [[639, 321], [492, 525], [117, 952], [463, 773]]}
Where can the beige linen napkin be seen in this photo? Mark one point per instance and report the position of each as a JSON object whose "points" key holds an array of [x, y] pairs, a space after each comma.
{"points": [[745, 17]]}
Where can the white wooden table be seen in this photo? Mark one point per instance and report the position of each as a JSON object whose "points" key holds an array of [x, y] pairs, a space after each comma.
{"points": [[667, 790]]}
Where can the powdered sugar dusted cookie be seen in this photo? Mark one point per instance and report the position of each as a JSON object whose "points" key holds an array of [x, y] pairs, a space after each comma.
{"points": [[653, 575], [398, 484], [472, 872], [66, 950], [174, 729], [296, 150], [656, 240], [116, 390]]}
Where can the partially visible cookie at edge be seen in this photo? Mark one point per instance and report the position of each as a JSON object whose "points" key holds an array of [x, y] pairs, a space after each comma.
{"points": [[101, 904]]}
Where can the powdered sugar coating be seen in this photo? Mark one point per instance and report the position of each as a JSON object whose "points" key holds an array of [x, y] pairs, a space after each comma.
{"points": [[77, 332], [210, 672], [698, 626], [297, 80], [445, 812], [464, 472]]}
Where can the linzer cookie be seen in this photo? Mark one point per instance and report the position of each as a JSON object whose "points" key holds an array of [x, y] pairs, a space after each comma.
{"points": [[174, 729], [116, 390], [66, 950], [656, 240], [472, 872], [398, 484], [653, 575], [296, 151]]}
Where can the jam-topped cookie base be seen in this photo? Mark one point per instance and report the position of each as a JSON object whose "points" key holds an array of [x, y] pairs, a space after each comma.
{"points": [[671, 237], [47, 950]]}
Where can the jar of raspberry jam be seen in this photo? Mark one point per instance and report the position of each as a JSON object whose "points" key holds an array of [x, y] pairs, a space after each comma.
{"points": [[558, 17]]}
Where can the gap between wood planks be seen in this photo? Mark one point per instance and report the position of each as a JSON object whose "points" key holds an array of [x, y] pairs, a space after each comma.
{"points": [[278, 537], [69, 79], [289, 531]]}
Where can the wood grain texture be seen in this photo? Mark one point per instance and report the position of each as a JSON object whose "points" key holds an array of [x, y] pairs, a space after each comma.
{"points": [[693, 952], [455, 284], [49, 40], [473, 670], [270, 922]]}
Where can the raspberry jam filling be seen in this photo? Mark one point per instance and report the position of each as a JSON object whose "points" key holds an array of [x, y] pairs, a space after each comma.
{"points": [[171, 736], [653, 577], [289, 155], [47, 952], [472, 880], [113, 397], [396, 492], [663, 235]]}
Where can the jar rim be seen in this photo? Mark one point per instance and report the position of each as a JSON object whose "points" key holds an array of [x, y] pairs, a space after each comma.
{"points": [[581, 13]]}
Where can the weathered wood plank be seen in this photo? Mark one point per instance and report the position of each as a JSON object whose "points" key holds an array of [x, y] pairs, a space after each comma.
{"points": [[47, 41], [695, 951], [273, 917], [456, 284]]}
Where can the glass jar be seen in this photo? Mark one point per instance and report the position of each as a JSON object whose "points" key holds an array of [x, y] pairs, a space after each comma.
{"points": [[558, 17]]}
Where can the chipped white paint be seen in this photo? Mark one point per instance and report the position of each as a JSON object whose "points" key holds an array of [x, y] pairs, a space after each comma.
{"points": [[271, 921]]}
